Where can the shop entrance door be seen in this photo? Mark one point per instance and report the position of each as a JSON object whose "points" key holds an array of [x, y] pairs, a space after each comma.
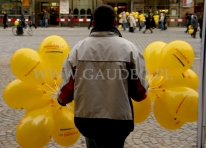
{"points": [[53, 9]]}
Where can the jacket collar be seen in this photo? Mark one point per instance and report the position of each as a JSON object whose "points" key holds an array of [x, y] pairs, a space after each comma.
{"points": [[105, 33]]}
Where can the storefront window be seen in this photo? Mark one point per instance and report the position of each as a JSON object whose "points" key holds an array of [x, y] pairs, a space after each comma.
{"points": [[80, 7], [12, 7]]}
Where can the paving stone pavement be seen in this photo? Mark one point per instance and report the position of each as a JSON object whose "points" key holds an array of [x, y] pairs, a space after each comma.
{"points": [[148, 134]]}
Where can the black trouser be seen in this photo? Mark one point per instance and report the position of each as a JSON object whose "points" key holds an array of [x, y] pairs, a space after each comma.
{"points": [[5, 25], [33, 25], [90, 24], [104, 133], [101, 143], [194, 33]]}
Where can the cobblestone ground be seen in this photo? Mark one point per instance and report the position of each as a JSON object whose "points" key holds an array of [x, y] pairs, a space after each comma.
{"points": [[148, 134]]}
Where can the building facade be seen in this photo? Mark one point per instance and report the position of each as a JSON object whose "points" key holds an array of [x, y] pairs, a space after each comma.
{"points": [[81, 8]]}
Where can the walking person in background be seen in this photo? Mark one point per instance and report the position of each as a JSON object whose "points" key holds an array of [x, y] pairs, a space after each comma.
{"points": [[147, 24], [124, 20], [103, 111], [32, 20], [162, 20], [194, 23], [188, 20], [71, 17], [5, 19], [22, 19], [41, 18], [131, 22], [200, 21], [91, 19], [46, 18]]}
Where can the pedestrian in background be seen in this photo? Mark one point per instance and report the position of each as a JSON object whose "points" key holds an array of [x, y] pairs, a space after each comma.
{"points": [[46, 18], [71, 17], [200, 21], [162, 20], [124, 20], [147, 24], [22, 19], [91, 19], [103, 111], [188, 20], [131, 22], [32, 20], [41, 18], [5, 19], [194, 23]]}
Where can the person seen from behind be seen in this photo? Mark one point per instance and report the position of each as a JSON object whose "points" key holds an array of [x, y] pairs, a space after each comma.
{"points": [[132, 23], [188, 20], [46, 18], [32, 20], [147, 24], [124, 20], [71, 17], [22, 19], [194, 23], [103, 111], [200, 21], [41, 18], [91, 19], [5, 19]]}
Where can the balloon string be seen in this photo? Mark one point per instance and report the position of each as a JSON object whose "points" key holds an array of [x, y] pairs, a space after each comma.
{"points": [[69, 106], [51, 88], [50, 92], [151, 79], [56, 85]]}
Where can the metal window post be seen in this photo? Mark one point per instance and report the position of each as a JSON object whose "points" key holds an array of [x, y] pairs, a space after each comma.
{"points": [[202, 93]]}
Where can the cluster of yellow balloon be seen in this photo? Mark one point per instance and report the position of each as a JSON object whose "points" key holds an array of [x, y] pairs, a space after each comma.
{"points": [[142, 17], [191, 30], [35, 90], [156, 19], [172, 84]]}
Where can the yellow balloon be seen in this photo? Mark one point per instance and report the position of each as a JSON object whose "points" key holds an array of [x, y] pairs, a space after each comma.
{"points": [[176, 56], [191, 31], [120, 26], [136, 13], [156, 19], [16, 23], [43, 102], [166, 11], [65, 132], [127, 13], [35, 129], [136, 16], [120, 16], [141, 19], [115, 8], [164, 117], [53, 49], [182, 103], [26, 65], [156, 22], [141, 110], [188, 79], [151, 54], [18, 94], [190, 26]]}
